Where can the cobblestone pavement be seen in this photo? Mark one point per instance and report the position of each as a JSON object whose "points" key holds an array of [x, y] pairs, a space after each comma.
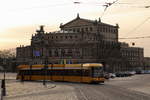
{"points": [[108, 92], [139, 83], [130, 88], [127, 88], [36, 91]]}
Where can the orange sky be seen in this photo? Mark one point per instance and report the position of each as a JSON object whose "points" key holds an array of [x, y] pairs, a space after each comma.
{"points": [[20, 19]]}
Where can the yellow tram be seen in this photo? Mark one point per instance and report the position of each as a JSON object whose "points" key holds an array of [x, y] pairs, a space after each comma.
{"points": [[86, 73]]}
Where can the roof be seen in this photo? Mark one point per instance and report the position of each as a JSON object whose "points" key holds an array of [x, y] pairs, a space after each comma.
{"points": [[61, 65], [92, 64], [89, 21]]}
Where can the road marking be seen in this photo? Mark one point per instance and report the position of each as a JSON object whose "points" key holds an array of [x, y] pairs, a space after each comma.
{"points": [[83, 94]]}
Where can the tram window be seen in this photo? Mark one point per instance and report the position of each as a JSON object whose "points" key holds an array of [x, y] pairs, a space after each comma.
{"points": [[20, 72], [38, 72], [48, 72], [57, 72], [53, 72], [70, 72], [43, 72], [79, 72], [32, 72], [66, 72], [85, 72], [97, 71], [75, 72], [25, 72], [61, 72]]}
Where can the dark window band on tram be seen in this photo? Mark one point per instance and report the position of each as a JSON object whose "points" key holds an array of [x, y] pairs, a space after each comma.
{"points": [[87, 73]]}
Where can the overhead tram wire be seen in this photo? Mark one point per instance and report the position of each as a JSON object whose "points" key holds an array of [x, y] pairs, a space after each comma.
{"points": [[108, 4], [64, 4], [37, 7], [128, 38], [102, 14], [76, 2], [136, 37], [138, 25]]}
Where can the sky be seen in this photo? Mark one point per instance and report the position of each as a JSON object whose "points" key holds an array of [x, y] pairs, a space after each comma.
{"points": [[19, 19]]}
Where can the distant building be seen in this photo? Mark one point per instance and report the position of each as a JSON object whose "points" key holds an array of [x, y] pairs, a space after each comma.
{"points": [[133, 56], [78, 41], [146, 63]]}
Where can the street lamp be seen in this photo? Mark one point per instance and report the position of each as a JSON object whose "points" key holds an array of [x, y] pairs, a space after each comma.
{"points": [[45, 70], [3, 86]]}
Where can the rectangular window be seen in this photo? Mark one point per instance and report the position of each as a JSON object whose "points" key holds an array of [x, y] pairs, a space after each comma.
{"points": [[91, 29]]}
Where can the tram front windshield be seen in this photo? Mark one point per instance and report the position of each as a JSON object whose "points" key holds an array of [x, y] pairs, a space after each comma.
{"points": [[97, 72]]}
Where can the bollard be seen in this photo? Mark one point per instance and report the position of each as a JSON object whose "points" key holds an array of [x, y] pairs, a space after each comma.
{"points": [[3, 87], [1, 95], [44, 82]]}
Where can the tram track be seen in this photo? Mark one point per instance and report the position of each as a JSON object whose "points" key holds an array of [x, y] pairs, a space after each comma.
{"points": [[82, 95], [107, 92]]}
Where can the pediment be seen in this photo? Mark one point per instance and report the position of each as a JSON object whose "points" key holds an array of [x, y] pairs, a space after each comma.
{"points": [[78, 22]]}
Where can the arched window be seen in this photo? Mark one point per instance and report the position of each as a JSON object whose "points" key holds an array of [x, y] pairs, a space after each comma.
{"points": [[62, 52], [70, 52], [91, 29], [86, 28], [56, 53], [70, 37], [74, 30], [77, 52], [66, 37], [78, 29], [50, 53], [76, 36], [82, 29]]}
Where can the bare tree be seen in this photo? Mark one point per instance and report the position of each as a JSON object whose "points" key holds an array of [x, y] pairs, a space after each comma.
{"points": [[10, 53]]}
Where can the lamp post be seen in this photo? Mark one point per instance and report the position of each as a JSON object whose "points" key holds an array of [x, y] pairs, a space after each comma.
{"points": [[45, 71], [3, 86], [44, 81]]}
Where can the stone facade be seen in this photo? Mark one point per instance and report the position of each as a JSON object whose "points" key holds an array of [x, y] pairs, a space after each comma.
{"points": [[78, 41], [146, 63], [133, 56]]}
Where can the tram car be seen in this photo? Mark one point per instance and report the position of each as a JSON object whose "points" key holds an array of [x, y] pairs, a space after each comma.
{"points": [[85, 73]]}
